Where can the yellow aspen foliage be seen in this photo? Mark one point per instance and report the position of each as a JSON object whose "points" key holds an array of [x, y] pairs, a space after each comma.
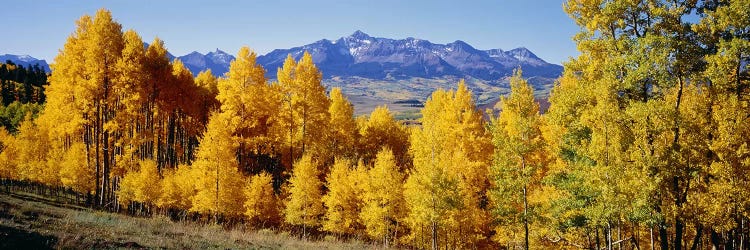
{"points": [[598, 155], [141, 186], [148, 180], [730, 184], [131, 77], [73, 171], [170, 195], [303, 206], [249, 105], [53, 163], [638, 124], [383, 198], [177, 188], [646, 140], [184, 93], [8, 155], [246, 101], [587, 162], [445, 190], [471, 135], [217, 179], [724, 206], [104, 47], [431, 192], [62, 120], [304, 117], [519, 165], [33, 150], [261, 205], [62, 98], [342, 130], [342, 200], [57, 149], [106, 44], [208, 85], [207, 81], [379, 130], [185, 123], [81, 95], [128, 187], [63, 116], [159, 72], [158, 104]]}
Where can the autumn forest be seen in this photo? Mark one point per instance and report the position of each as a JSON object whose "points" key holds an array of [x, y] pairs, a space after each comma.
{"points": [[646, 143]]}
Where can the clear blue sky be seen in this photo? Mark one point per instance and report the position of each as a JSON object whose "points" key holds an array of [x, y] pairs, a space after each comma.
{"points": [[39, 28]]}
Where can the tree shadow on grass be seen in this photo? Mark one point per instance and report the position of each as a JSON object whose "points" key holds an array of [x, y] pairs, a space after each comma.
{"points": [[14, 238]]}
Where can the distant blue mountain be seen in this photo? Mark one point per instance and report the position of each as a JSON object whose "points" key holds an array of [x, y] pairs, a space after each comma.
{"points": [[372, 71], [361, 55], [218, 61], [25, 60], [364, 56]]}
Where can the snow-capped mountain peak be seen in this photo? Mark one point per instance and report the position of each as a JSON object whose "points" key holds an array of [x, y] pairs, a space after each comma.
{"points": [[218, 61], [459, 45], [357, 39], [359, 35], [522, 53], [219, 56], [362, 55], [497, 53], [194, 58], [26, 58]]}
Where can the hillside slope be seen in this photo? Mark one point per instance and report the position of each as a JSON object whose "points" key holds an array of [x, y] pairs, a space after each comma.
{"points": [[29, 221]]}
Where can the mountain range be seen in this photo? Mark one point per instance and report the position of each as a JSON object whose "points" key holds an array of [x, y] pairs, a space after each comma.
{"points": [[373, 70], [399, 72], [361, 55], [217, 61]]}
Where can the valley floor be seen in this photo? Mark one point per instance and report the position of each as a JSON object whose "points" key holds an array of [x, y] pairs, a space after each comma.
{"points": [[29, 221]]}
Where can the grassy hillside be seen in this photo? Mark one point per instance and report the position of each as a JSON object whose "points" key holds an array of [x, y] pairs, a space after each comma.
{"points": [[28, 221]]}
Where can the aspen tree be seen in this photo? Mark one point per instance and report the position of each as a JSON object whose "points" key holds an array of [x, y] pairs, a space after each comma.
{"points": [[342, 134], [342, 201], [304, 109], [381, 129], [304, 205], [262, 205], [383, 198], [519, 162], [217, 180], [444, 192]]}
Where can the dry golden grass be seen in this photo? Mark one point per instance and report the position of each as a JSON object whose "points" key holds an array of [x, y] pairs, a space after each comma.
{"points": [[33, 222]]}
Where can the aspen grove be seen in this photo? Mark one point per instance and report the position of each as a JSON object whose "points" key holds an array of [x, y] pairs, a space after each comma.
{"points": [[646, 143]]}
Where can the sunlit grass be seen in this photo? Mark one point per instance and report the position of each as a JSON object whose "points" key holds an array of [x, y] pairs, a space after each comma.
{"points": [[83, 228]]}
